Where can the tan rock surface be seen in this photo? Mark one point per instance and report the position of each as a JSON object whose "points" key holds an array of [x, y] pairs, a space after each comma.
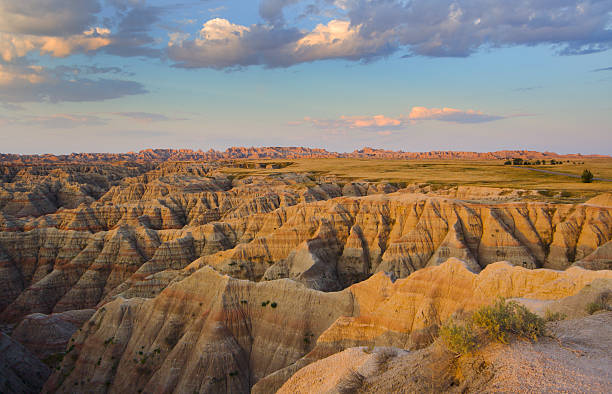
{"points": [[577, 360], [147, 245], [212, 333]]}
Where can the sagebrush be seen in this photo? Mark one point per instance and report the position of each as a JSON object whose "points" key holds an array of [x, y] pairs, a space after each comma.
{"points": [[498, 322]]}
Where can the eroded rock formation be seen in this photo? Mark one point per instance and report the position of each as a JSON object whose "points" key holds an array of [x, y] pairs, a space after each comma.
{"points": [[201, 281], [212, 333]]}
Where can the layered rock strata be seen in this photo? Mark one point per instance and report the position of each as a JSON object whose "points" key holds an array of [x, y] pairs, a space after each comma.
{"points": [[212, 333]]}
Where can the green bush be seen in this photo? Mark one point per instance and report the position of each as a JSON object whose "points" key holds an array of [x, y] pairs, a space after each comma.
{"points": [[460, 339], [504, 318], [587, 176], [554, 316], [593, 307]]}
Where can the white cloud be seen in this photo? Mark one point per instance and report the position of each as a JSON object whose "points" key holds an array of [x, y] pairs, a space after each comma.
{"points": [[223, 44], [451, 115], [384, 125], [47, 17], [19, 84], [13, 46], [366, 29]]}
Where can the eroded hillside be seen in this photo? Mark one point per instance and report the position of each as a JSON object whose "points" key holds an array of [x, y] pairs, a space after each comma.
{"points": [[204, 281]]}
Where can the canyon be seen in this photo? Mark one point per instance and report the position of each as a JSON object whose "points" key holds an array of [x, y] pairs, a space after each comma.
{"points": [[176, 271]]}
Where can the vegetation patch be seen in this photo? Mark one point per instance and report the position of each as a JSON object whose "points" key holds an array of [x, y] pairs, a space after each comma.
{"points": [[54, 360], [601, 303], [503, 319], [498, 322], [554, 316], [460, 339], [593, 307]]}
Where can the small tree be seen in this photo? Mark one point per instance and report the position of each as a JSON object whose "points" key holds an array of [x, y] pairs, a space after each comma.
{"points": [[587, 176]]}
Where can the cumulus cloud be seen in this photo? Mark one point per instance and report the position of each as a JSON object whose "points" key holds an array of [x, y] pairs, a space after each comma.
{"points": [[64, 27], [31, 83], [458, 28], [368, 29], [132, 33], [47, 17], [451, 115], [222, 44], [15, 46], [384, 125], [272, 10]]}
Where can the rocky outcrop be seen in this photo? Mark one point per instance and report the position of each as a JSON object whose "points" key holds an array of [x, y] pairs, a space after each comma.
{"points": [[206, 282], [161, 155], [576, 356], [47, 335], [212, 333], [141, 234], [20, 370]]}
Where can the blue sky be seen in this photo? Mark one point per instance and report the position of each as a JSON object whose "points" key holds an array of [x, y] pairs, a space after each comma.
{"points": [[415, 75]]}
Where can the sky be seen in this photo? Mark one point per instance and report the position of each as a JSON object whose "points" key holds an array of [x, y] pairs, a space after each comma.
{"points": [[412, 75]]}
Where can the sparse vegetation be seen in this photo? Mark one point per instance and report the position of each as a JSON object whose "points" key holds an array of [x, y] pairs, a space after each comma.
{"points": [[351, 382], [502, 319], [554, 316], [54, 360], [460, 339], [498, 322], [601, 303], [450, 173], [593, 307]]}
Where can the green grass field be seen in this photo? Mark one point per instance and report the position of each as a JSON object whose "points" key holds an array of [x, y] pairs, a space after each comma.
{"points": [[453, 173]]}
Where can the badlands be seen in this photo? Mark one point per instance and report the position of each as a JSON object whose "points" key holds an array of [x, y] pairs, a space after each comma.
{"points": [[271, 270]]}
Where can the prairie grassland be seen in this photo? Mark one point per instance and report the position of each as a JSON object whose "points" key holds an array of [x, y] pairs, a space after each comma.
{"points": [[452, 173]]}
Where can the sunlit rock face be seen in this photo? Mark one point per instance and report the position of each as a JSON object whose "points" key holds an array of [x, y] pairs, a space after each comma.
{"points": [[201, 281], [212, 333]]}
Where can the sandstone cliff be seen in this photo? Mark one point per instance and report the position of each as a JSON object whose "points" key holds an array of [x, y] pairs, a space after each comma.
{"points": [[212, 333], [175, 277], [146, 230]]}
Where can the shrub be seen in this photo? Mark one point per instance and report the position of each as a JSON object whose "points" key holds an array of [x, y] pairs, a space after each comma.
{"points": [[351, 382], [587, 176], [546, 193], [504, 318], [554, 316], [460, 339], [593, 307]]}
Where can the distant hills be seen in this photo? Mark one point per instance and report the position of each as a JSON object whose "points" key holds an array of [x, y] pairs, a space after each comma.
{"points": [[161, 155]]}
